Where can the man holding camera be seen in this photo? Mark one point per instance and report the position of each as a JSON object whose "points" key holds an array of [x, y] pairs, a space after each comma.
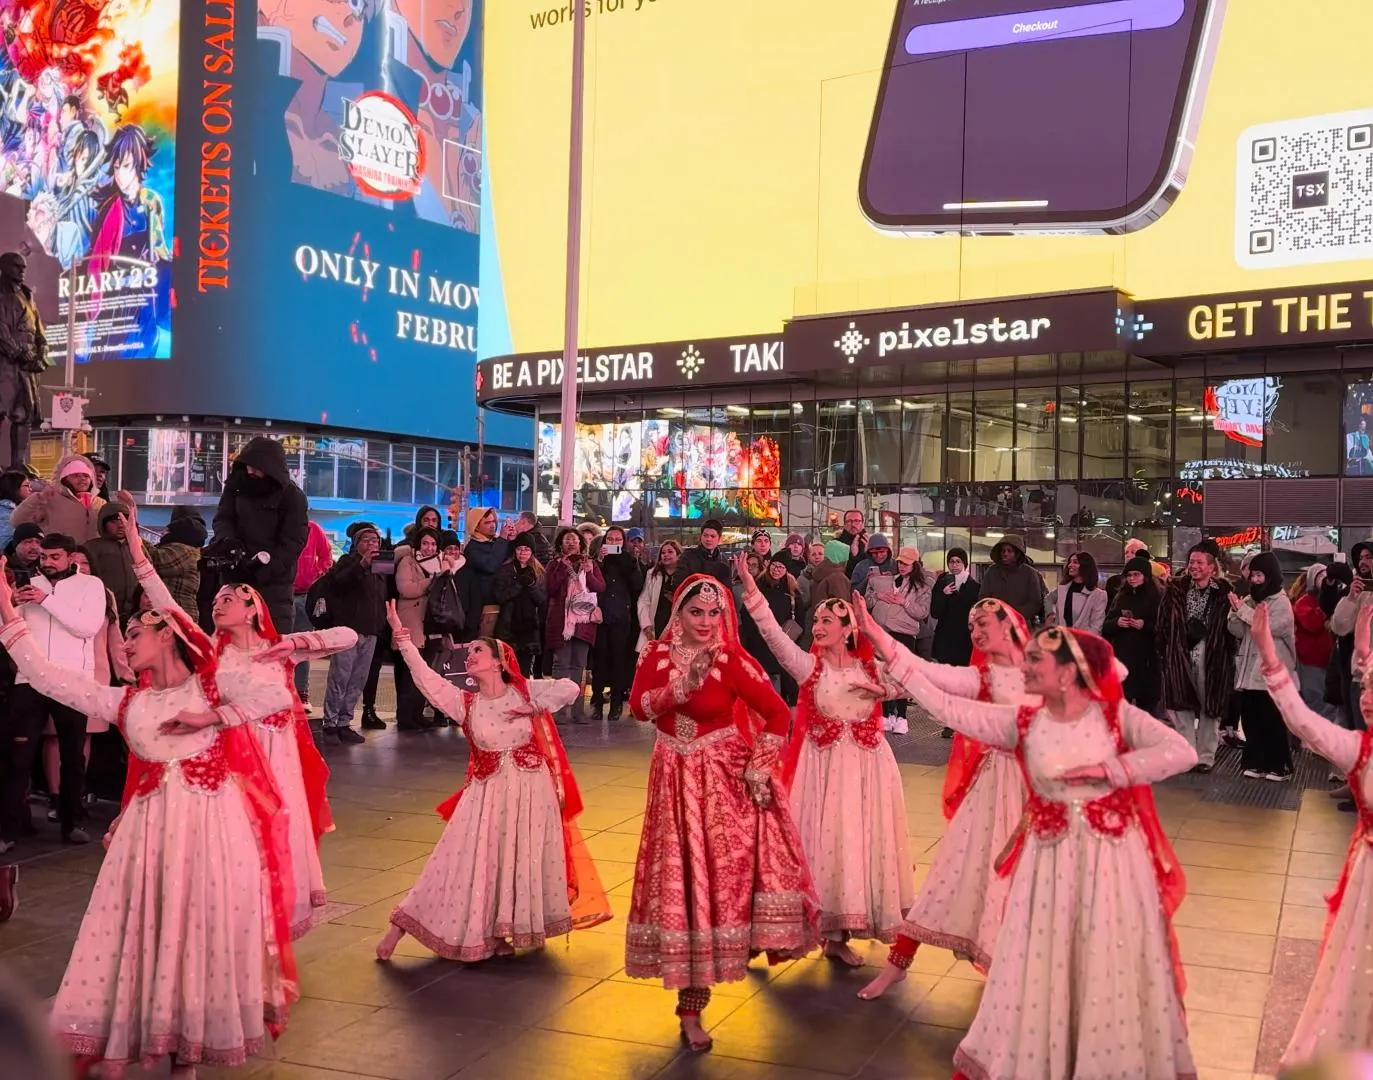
{"points": [[261, 526], [357, 600], [64, 611]]}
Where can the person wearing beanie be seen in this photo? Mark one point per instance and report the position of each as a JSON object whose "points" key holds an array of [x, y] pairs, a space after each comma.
{"points": [[488, 546], [68, 504], [111, 561], [176, 558], [877, 561], [823, 579], [1267, 753], [1013, 580], [1197, 652], [1315, 643], [23, 548], [1134, 548], [612, 653], [357, 600], [1131, 627], [951, 602], [761, 544], [793, 554], [522, 594]]}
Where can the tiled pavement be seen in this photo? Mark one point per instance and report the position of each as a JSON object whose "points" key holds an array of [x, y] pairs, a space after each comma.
{"points": [[1249, 930]]}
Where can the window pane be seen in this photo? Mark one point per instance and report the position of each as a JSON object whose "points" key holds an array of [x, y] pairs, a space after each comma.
{"points": [[1035, 413], [403, 474], [1235, 411], [206, 476], [319, 469], [994, 446], [923, 442], [1358, 426], [166, 463], [836, 435], [1101, 416], [1189, 435], [349, 454], [1315, 401], [1151, 429], [958, 450], [879, 440], [135, 475], [1069, 432], [378, 471]]}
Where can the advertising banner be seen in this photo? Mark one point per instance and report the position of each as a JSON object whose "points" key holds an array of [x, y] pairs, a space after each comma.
{"points": [[754, 161]]}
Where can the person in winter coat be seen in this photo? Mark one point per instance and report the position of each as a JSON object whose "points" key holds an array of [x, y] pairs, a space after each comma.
{"points": [[488, 546], [111, 560], [574, 583], [14, 489], [1197, 652], [900, 610], [793, 554], [314, 562], [951, 602], [655, 601], [1014, 581], [779, 589], [527, 525], [262, 509], [1134, 547], [67, 505], [176, 556], [1267, 752], [706, 557], [357, 600], [522, 593], [826, 579], [1078, 601], [1315, 643], [878, 561], [417, 564], [612, 654], [1132, 629]]}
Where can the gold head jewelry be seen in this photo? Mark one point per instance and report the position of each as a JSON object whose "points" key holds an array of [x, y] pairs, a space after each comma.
{"points": [[1054, 638]]}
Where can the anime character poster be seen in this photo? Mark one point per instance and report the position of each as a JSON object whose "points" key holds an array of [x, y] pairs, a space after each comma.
{"points": [[386, 101], [87, 125]]}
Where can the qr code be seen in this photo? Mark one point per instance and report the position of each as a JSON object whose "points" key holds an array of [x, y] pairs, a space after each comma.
{"points": [[1304, 191]]}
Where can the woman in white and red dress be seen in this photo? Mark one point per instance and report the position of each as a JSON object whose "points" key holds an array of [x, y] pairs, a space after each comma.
{"points": [[185, 948], [1086, 979], [248, 643], [844, 784], [510, 870], [721, 874], [1338, 1015], [960, 906]]}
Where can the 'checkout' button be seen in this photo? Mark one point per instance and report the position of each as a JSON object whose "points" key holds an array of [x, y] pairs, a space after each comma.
{"points": [[1085, 20]]}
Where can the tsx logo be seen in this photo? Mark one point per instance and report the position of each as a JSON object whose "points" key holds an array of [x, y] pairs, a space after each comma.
{"points": [[380, 142]]}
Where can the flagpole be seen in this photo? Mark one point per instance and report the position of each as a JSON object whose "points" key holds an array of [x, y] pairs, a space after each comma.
{"points": [[574, 269]]}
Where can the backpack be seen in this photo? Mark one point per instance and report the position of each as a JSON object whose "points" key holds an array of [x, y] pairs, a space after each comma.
{"points": [[318, 599]]}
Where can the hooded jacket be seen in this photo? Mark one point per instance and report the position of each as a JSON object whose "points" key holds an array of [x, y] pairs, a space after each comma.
{"points": [[1019, 585], [1248, 673], [176, 557], [484, 560], [265, 515], [827, 582], [58, 509], [111, 563]]}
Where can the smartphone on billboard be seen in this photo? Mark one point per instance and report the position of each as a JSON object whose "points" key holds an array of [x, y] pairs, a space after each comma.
{"points": [[998, 116]]}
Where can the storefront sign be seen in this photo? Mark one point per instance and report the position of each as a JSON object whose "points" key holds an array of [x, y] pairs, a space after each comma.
{"points": [[1022, 326], [1324, 314], [678, 364]]}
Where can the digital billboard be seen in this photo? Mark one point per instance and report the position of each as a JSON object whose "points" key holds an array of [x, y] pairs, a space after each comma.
{"points": [[88, 114], [324, 259], [751, 161]]}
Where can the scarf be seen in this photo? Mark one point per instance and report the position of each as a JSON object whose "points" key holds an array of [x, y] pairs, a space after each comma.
{"points": [[1074, 588]]}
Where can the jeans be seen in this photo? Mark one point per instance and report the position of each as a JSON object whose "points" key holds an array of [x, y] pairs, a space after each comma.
{"points": [[347, 675], [1311, 682], [29, 712], [303, 668], [569, 662]]}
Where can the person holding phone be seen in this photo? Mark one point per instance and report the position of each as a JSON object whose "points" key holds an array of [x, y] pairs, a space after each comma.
{"points": [[574, 583], [357, 600], [612, 655], [1132, 629]]}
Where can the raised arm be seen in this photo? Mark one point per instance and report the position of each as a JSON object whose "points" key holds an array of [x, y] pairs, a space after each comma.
{"points": [[319, 644], [1156, 751], [798, 663], [80, 609], [250, 695], [1337, 745], [958, 681], [437, 690], [71, 688], [552, 694]]}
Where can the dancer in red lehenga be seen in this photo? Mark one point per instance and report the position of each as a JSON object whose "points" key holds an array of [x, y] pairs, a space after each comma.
{"points": [[1086, 981], [510, 870], [185, 948], [721, 875], [248, 643], [960, 906]]}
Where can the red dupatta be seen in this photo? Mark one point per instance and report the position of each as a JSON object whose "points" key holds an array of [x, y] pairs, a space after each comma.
{"points": [[585, 893], [246, 762], [314, 772]]}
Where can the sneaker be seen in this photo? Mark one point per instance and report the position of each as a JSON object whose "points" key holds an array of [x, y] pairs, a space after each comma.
{"points": [[1202, 768], [1255, 774], [371, 721], [899, 725], [1277, 777], [348, 737], [946, 733], [76, 836], [328, 736], [6, 846], [52, 815], [1347, 806]]}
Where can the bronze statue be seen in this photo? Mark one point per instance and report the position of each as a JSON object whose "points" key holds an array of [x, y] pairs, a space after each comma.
{"points": [[23, 357]]}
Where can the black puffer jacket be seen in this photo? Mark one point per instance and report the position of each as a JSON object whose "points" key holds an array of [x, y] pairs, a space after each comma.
{"points": [[265, 514]]}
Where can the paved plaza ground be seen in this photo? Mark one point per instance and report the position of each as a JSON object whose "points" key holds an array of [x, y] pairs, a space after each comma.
{"points": [[1249, 931]]}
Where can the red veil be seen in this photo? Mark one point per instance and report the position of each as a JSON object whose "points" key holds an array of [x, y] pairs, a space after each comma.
{"points": [[245, 759], [314, 771], [1097, 662], [965, 754], [807, 711], [585, 893]]}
